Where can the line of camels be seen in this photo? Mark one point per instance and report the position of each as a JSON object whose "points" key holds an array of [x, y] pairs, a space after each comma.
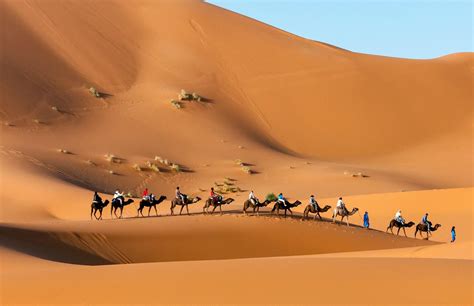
{"points": [[248, 204]]}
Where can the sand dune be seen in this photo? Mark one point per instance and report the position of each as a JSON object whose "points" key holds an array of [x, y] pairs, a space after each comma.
{"points": [[303, 117]]}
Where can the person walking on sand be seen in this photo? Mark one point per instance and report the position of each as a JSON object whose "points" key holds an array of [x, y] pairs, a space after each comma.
{"points": [[366, 220], [453, 234]]}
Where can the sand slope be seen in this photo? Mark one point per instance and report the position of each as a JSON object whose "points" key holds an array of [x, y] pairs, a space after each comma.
{"points": [[304, 116]]}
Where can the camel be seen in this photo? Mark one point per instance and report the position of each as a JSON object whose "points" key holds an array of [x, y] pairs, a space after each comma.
{"points": [[287, 207], [177, 202], [310, 209], [116, 205], [248, 204], [98, 207], [423, 228], [210, 202], [145, 203], [395, 223], [344, 213]]}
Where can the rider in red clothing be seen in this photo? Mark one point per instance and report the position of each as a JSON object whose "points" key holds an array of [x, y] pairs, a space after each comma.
{"points": [[145, 194], [214, 196]]}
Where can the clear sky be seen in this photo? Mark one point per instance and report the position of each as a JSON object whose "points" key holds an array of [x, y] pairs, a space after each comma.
{"points": [[403, 28]]}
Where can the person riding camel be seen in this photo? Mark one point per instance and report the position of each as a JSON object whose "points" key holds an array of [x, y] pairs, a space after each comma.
{"points": [[96, 199], [281, 199], [340, 204], [145, 195], [313, 202], [399, 218], [180, 196], [253, 198], [215, 197], [119, 196], [426, 222], [151, 198]]}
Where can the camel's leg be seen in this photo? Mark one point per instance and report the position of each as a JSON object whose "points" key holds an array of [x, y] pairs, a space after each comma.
{"points": [[156, 211], [398, 232], [347, 220], [187, 208], [100, 216], [213, 210], [404, 231], [220, 208], [121, 212], [181, 210], [290, 211], [149, 209], [91, 212]]}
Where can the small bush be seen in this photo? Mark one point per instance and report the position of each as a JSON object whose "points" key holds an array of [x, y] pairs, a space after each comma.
{"points": [[239, 162], [137, 167], [175, 168], [246, 169], [64, 151], [112, 158], [152, 166], [94, 92], [196, 97], [55, 108], [37, 121], [112, 172], [176, 104], [271, 197], [90, 162]]}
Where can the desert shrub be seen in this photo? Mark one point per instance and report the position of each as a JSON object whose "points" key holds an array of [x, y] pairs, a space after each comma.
{"points": [[90, 162], [94, 92], [55, 108], [196, 97], [185, 96], [152, 166], [246, 169], [175, 168], [112, 172], [137, 167], [37, 121], [112, 158], [271, 197], [64, 151], [238, 162], [176, 104]]}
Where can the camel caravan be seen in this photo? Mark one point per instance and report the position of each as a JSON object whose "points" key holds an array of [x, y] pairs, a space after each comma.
{"points": [[280, 203]]}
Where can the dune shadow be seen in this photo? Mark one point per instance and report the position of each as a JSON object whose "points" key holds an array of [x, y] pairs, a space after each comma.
{"points": [[46, 245]]}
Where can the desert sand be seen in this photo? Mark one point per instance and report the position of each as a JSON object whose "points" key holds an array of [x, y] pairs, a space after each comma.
{"points": [[279, 113]]}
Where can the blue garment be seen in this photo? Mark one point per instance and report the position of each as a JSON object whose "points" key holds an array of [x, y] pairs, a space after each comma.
{"points": [[366, 220], [425, 219], [453, 235]]}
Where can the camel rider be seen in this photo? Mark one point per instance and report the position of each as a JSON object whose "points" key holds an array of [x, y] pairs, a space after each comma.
{"points": [[281, 199], [97, 199], [399, 218], [119, 195], [145, 195], [313, 202], [253, 199], [426, 222], [151, 198], [216, 198], [180, 196], [340, 203]]}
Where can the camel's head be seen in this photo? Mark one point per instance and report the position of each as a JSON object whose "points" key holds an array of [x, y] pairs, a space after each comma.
{"points": [[106, 202], [410, 224], [327, 207], [437, 225], [130, 200], [229, 200], [355, 209], [162, 198], [196, 199], [297, 202]]}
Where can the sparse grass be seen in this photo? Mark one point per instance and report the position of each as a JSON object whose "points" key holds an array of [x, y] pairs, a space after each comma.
{"points": [[246, 169], [175, 168], [176, 104], [55, 108], [94, 92], [186, 96], [152, 166], [112, 158], [37, 121], [137, 167], [271, 197], [358, 174], [129, 195], [90, 162], [239, 162], [64, 151]]}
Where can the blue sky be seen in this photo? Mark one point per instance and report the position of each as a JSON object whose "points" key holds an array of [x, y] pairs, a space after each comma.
{"points": [[404, 28]]}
